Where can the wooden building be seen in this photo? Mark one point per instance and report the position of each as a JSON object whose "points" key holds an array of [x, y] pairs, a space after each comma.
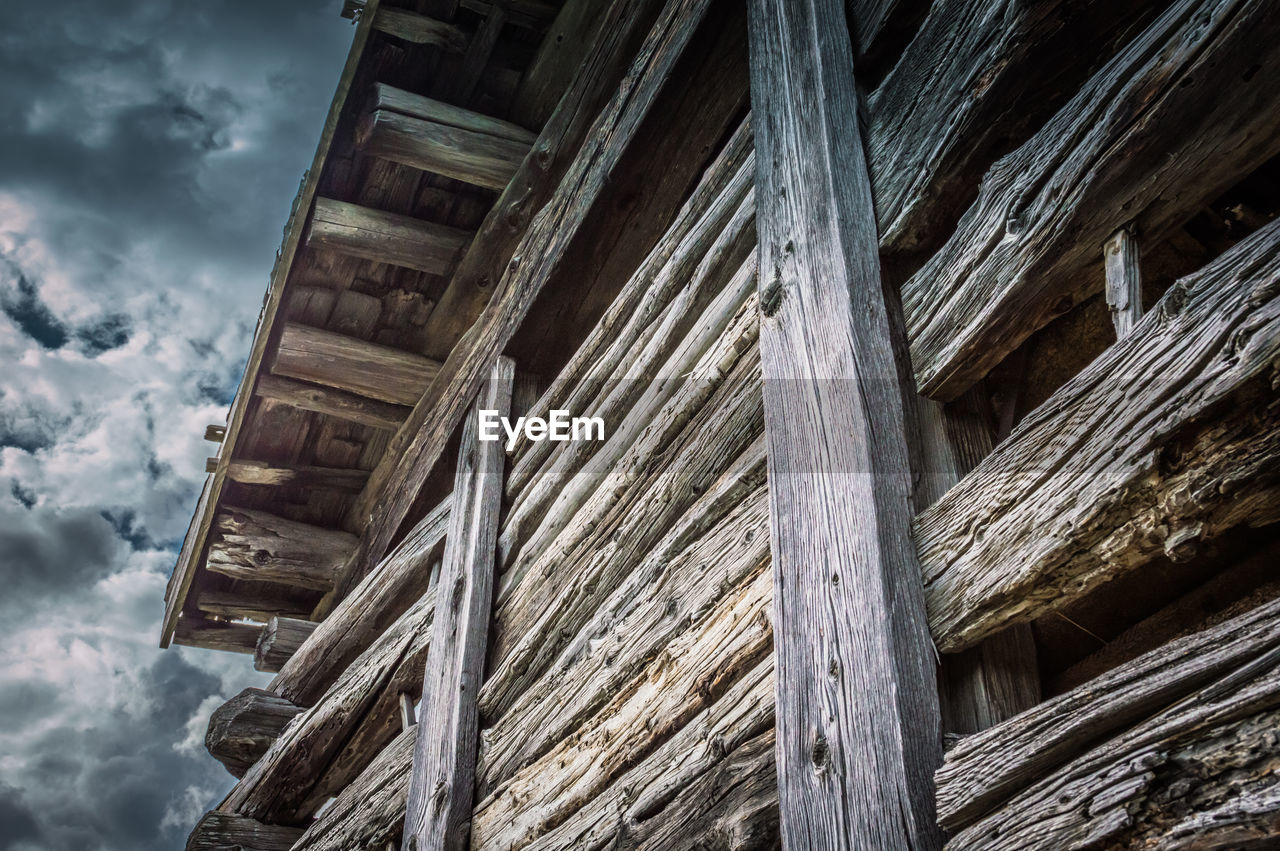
{"points": [[937, 346]]}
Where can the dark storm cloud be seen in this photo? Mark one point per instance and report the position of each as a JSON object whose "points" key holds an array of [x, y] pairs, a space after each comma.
{"points": [[149, 153]]}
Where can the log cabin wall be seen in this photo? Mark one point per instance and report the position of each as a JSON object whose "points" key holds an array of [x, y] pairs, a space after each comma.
{"points": [[1073, 209]]}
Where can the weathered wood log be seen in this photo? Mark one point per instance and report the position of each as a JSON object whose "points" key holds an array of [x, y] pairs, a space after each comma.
{"points": [[251, 544], [1214, 748], [221, 831], [215, 433], [409, 460], [391, 99], [574, 30], [420, 29], [444, 759], [291, 780], [351, 364], [242, 729], [210, 634], [386, 593], [858, 719], [431, 145], [1072, 499], [535, 619], [688, 676], [251, 605], [978, 79], [370, 812], [647, 409], [985, 769], [1182, 113], [1124, 280], [332, 403], [327, 478], [658, 601], [386, 237], [280, 639], [692, 246]]}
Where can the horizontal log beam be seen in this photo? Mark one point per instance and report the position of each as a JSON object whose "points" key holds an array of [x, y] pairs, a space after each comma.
{"points": [[1137, 756], [332, 403], [219, 832], [210, 634], [250, 544], [420, 29], [386, 237], [353, 365], [242, 729], [391, 99], [249, 605], [280, 639], [325, 478], [381, 597], [1183, 112], [1169, 438], [475, 158]]}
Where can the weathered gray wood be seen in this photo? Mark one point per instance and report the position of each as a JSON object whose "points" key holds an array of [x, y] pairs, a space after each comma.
{"points": [[408, 714], [395, 483], [987, 768], [351, 364], [463, 154], [254, 605], [332, 403], [242, 729], [211, 634], [1124, 280], [370, 812], [1169, 438], [420, 29], [363, 615], [1214, 748], [251, 544], [858, 724], [280, 639], [1182, 113], [443, 780], [215, 433], [575, 28], [391, 99], [386, 237], [978, 79], [221, 832], [329, 478], [331, 742]]}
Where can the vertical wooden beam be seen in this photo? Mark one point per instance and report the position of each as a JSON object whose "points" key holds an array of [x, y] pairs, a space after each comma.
{"points": [[438, 815], [858, 732], [1124, 280]]}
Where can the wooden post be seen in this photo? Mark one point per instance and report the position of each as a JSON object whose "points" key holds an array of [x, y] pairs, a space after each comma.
{"points": [[857, 706], [1124, 280], [438, 814]]}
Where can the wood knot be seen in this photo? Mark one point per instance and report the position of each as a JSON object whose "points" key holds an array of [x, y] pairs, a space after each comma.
{"points": [[771, 299], [820, 754]]}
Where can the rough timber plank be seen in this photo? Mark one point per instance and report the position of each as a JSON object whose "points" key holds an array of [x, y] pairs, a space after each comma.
{"points": [[352, 365], [1182, 113], [1170, 437], [193, 546], [250, 544], [1190, 730], [255, 605], [1124, 280], [394, 485], [195, 631], [386, 237], [979, 78], [364, 614], [444, 759], [391, 99], [420, 29], [332, 403], [858, 723], [460, 153], [575, 29], [242, 729], [329, 478], [221, 831]]}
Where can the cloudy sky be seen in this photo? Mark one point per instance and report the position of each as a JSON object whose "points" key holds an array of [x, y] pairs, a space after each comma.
{"points": [[149, 152]]}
